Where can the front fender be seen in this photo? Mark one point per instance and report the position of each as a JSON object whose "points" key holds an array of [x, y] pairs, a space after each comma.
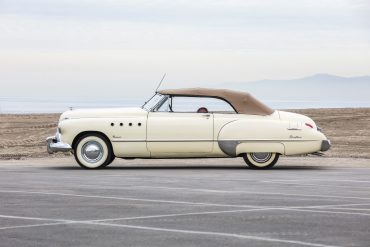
{"points": [[72, 127]]}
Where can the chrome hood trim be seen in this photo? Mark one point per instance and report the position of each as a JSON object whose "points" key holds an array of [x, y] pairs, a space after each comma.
{"points": [[103, 113]]}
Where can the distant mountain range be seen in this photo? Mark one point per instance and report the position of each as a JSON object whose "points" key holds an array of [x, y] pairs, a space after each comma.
{"points": [[321, 89]]}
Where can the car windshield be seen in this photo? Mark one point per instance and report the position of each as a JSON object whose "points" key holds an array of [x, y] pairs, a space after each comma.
{"points": [[155, 101]]}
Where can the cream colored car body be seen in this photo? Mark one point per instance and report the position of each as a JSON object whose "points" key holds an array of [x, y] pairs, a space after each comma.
{"points": [[137, 133]]}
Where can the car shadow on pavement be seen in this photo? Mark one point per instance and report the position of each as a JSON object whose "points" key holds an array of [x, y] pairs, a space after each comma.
{"points": [[201, 167]]}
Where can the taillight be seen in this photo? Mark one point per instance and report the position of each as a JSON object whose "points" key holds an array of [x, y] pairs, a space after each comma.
{"points": [[309, 125]]}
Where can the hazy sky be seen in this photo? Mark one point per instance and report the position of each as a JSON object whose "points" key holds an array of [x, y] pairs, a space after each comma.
{"points": [[119, 48]]}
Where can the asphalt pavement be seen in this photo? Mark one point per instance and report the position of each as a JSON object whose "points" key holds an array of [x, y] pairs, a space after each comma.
{"points": [[183, 203]]}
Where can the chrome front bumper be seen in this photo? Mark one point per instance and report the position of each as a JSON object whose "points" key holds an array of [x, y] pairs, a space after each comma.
{"points": [[325, 145], [55, 145]]}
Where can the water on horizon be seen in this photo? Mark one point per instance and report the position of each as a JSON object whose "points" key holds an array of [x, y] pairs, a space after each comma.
{"points": [[33, 105]]}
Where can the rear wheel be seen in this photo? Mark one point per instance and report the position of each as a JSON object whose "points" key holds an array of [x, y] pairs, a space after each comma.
{"points": [[93, 151], [261, 160]]}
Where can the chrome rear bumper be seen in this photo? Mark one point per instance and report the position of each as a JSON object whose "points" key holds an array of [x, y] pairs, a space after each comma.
{"points": [[325, 145], [54, 145]]}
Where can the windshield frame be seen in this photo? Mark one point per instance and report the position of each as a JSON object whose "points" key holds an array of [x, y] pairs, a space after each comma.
{"points": [[152, 103]]}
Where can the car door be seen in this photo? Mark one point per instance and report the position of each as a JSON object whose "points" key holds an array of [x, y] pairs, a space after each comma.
{"points": [[177, 129], [179, 133]]}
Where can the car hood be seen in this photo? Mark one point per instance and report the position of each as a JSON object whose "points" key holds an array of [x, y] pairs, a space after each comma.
{"points": [[103, 113]]}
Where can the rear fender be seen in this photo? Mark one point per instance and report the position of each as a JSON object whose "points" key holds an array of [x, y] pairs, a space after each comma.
{"points": [[253, 135]]}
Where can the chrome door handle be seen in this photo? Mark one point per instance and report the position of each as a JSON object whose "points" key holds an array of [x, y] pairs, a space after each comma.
{"points": [[206, 115]]}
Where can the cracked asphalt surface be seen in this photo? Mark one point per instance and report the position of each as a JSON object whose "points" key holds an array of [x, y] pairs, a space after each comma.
{"points": [[208, 202]]}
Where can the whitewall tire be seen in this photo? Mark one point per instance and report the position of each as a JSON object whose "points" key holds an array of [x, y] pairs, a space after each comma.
{"points": [[93, 151], [261, 160]]}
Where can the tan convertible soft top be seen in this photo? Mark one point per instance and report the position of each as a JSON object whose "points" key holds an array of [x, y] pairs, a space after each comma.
{"points": [[242, 102]]}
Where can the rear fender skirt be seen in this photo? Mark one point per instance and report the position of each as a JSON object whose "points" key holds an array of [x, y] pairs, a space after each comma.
{"points": [[228, 147]]}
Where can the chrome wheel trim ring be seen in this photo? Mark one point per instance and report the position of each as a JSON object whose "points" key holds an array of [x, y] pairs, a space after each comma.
{"points": [[92, 152], [261, 157]]}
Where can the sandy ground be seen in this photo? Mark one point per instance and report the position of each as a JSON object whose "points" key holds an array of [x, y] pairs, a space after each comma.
{"points": [[23, 136], [348, 129]]}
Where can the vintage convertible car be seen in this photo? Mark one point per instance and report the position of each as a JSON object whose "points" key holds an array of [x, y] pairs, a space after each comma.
{"points": [[187, 123]]}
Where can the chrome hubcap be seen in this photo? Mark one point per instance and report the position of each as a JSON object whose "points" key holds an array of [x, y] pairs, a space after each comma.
{"points": [[92, 151], [261, 157]]}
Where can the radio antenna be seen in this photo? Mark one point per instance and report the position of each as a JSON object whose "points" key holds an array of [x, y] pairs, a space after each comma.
{"points": [[160, 83]]}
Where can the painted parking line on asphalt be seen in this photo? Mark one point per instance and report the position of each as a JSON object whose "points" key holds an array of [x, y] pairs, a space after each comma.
{"points": [[18, 217], [351, 209], [172, 230], [317, 179], [137, 187], [213, 234], [254, 192], [239, 211], [129, 199], [132, 187], [30, 218], [300, 182], [167, 201], [69, 221], [35, 225], [178, 215], [307, 185], [101, 222], [179, 202], [324, 211]]}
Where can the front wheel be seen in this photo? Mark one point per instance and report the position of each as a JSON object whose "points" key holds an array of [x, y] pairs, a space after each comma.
{"points": [[93, 151], [261, 160]]}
